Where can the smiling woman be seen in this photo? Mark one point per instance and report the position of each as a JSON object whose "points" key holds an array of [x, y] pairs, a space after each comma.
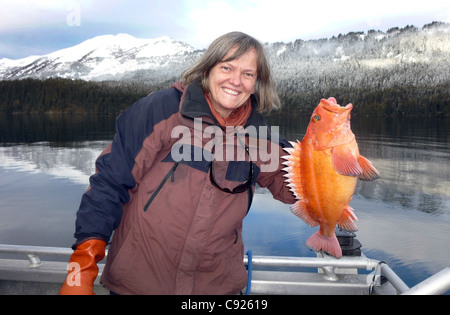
{"points": [[183, 235]]}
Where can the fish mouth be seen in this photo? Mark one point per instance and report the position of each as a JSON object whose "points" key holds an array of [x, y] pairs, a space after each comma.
{"points": [[332, 107]]}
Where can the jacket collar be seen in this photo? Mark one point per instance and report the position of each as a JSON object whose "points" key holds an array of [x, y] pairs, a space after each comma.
{"points": [[194, 104]]}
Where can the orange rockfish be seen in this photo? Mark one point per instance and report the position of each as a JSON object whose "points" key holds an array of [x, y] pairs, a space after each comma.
{"points": [[322, 171]]}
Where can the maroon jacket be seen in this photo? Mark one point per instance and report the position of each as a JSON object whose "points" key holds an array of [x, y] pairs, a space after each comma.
{"points": [[175, 231]]}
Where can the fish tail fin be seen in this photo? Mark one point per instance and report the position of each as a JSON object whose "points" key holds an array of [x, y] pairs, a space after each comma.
{"points": [[330, 245], [346, 221], [369, 172]]}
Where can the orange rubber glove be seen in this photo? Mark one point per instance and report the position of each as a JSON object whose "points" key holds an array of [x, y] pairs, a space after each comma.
{"points": [[83, 268]]}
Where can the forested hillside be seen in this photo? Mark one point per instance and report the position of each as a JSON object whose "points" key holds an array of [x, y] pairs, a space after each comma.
{"points": [[68, 96], [83, 97], [400, 72]]}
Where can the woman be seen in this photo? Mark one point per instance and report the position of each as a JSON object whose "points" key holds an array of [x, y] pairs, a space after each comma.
{"points": [[178, 179]]}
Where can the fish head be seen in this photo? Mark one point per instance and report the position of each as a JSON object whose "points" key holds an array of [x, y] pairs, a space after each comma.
{"points": [[330, 124]]}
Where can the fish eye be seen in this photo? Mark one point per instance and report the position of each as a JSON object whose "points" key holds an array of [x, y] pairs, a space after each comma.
{"points": [[316, 118]]}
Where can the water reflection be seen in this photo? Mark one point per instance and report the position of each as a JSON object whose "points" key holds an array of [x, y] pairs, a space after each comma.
{"points": [[59, 145], [75, 163], [413, 184]]}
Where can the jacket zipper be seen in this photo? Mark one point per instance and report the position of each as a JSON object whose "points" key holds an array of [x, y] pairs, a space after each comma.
{"points": [[169, 174]]}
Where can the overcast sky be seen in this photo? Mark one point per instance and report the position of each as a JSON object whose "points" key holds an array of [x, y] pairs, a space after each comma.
{"points": [[37, 27]]}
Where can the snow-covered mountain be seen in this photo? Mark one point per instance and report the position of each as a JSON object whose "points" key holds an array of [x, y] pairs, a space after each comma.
{"points": [[399, 56], [102, 58], [383, 58]]}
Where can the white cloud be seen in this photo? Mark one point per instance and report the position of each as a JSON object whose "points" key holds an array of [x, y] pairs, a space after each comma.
{"points": [[284, 20], [19, 14], [199, 22]]}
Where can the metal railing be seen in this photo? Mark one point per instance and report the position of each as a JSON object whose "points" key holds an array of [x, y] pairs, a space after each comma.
{"points": [[315, 262], [437, 284]]}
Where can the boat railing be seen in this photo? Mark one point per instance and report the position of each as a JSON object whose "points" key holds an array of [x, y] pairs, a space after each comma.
{"points": [[329, 267], [33, 252]]}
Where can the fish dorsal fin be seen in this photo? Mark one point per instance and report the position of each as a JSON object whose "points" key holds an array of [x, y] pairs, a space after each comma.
{"points": [[293, 175], [294, 180]]}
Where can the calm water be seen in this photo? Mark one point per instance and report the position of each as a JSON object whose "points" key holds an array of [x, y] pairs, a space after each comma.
{"points": [[404, 218]]}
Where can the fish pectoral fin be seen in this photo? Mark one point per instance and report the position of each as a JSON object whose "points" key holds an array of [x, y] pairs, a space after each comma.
{"points": [[344, 162], [301, 211], [369, 171], [346, 221]]}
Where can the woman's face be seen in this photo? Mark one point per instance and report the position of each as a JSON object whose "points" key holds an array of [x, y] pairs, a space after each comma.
{"points": [[231, 83]]}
